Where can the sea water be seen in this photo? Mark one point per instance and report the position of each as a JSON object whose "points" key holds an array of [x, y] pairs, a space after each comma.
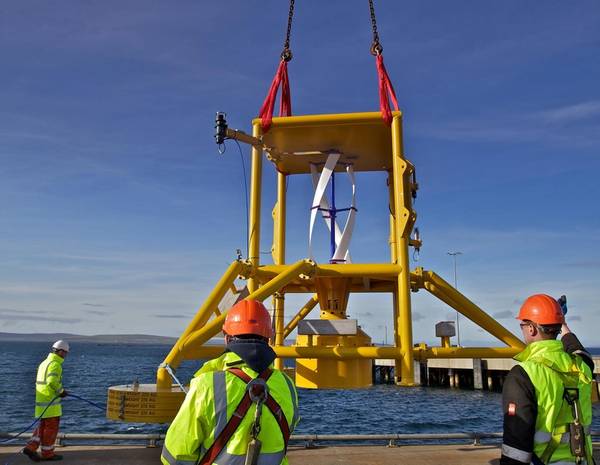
{"points": [[90, 369]]}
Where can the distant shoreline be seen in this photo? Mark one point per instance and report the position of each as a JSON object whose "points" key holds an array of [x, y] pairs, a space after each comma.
{"points": [[135, 339], [140, 339]]}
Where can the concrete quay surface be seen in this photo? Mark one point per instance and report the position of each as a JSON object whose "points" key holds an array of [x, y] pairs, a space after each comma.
{"points": [[330, 455]]}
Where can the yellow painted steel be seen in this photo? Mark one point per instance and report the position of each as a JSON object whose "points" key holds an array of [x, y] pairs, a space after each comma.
{"points": [[209, 306], [214, 326], [351, 270], [403, 220], [143, 403], [445, 292], [278, 308], [331, 372], [369, 352], [313, 373], [363, 139], [279, 222], [335, 361], [394, 258], [255, 203], [304, 311]]}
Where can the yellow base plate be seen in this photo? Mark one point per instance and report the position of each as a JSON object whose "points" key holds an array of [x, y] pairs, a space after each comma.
{"points": [[315, 373]]}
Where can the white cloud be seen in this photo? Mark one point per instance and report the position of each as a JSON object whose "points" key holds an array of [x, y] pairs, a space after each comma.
{"points": [[571, 112]]}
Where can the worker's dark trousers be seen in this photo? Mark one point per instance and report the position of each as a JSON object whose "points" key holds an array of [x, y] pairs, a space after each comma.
{"points": [[45, 435]]}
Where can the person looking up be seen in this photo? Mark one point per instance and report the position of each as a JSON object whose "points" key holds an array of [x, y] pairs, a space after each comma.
{"points": [[238, 407], [546, 397]]}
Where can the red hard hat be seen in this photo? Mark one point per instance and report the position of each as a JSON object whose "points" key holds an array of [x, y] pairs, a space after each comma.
{"points": [[541, 309], [248, 317]]}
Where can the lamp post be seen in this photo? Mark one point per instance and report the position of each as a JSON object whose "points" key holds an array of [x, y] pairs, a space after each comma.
{"points": [[453, 255]]}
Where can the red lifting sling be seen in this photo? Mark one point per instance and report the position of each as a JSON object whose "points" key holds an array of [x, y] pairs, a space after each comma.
{"points": [[386, 89]]}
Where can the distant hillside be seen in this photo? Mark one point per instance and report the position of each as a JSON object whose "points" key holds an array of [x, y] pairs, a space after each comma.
{"points": [[97, 339]]}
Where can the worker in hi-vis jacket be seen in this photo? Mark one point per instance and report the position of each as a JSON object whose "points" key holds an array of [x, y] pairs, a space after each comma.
{"points": [[239, 409], [546, 398], [49, 392]]}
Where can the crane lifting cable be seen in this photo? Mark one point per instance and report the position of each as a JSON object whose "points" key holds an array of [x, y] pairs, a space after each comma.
{"points": [[386, 89]]}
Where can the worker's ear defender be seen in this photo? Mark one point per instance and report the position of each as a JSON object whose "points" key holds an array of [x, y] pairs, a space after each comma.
{"points": [[253, 452]]}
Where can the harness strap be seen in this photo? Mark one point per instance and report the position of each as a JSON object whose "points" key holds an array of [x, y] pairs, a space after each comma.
{"points": [[234, 422], [554, 442], [271, 404], [569, 408]]}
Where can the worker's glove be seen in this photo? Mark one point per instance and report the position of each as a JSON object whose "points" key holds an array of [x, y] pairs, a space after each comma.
{"points": [[562, 301], [64, 393]]}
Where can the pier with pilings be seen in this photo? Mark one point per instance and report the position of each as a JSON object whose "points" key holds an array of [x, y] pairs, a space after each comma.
{"points": [[462, 373]]}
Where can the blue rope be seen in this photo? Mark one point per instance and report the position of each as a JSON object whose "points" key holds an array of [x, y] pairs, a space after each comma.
{"points": [[98, 406], [32, 425], [4, 441]]}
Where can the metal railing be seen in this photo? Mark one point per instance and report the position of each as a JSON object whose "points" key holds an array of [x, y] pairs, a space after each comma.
{"points": [[309, 440]]}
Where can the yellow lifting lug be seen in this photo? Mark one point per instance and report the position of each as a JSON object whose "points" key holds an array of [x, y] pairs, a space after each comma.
{"points": [[416, 279], [247, 270], [310, 270]]}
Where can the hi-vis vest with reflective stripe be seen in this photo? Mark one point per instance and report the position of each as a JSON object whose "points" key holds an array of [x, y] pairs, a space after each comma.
{"points": [[211, 401], [48, 385], [546, 364]]}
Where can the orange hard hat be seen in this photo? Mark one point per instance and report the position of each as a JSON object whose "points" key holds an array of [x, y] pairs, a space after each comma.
{"points": [[248, 317], [541, 309]]}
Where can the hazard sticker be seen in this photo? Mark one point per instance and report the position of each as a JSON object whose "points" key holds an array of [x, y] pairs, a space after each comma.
{"points": [[512, 409]]}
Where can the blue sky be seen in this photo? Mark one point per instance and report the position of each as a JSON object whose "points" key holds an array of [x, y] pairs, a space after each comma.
{"points": [[118, 215]]}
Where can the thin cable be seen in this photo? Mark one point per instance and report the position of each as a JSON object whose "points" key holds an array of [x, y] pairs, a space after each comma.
{"points": [[167, 367], [246, 195], [97, 405]]}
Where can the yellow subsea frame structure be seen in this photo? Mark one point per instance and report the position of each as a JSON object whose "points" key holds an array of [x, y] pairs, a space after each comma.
{"points": [[331, 355]]}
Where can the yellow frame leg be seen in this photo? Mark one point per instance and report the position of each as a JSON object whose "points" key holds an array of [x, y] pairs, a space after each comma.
{"points": [[403, 215], [279, 218], [199, 337], [163, 380], [255, 202]]}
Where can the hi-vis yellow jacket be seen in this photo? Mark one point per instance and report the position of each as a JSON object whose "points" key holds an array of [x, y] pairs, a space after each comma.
{"points": [[213, 397], [551, 370], [48, 385]]}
